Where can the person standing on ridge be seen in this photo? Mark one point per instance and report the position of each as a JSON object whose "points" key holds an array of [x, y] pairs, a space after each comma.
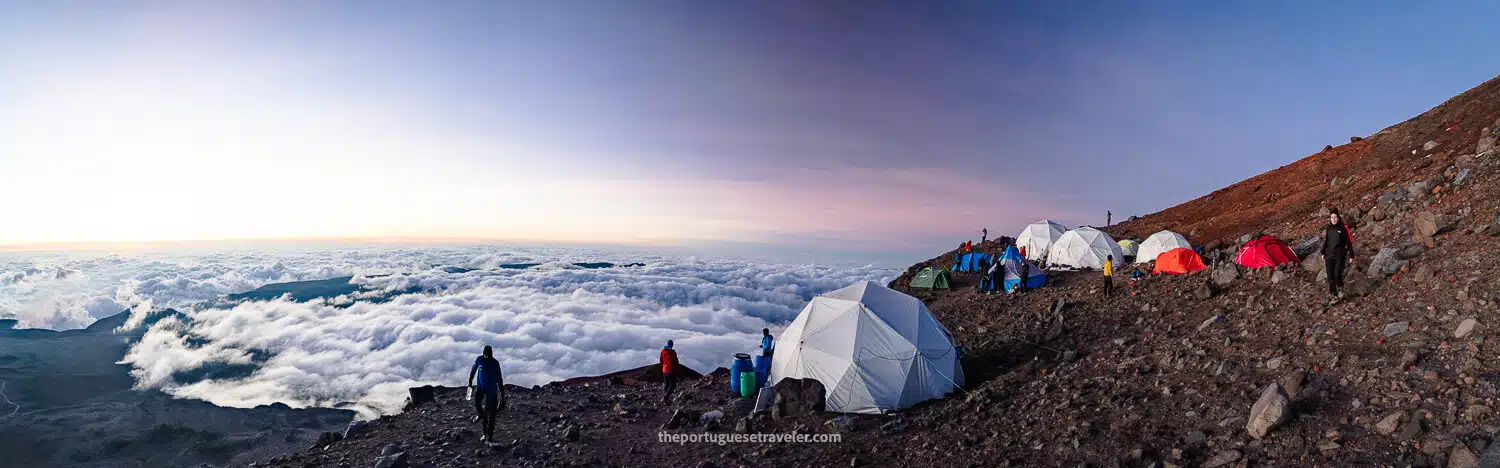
{"points": [[984, 234], [1109, 276], [767, 344], [489, 395], [669, 364], [1338, 251], [1108, 218]]}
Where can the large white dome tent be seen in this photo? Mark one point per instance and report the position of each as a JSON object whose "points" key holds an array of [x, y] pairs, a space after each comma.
{"points": [[872, 348], [1038, 238], [1160, 243], [1084, 247]]}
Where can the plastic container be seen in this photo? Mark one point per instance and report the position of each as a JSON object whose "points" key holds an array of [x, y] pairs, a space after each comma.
{"points": [[747, 384], [741, 365], [762, 370]]}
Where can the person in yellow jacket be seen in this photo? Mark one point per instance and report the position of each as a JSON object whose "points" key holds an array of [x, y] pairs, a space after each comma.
{"points": [[1109, 276]]}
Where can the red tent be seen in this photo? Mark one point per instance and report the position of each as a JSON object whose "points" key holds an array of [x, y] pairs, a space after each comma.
{"points": [[1178, 261], [1265, 252]]}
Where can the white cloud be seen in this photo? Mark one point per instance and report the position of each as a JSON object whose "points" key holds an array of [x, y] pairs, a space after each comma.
{"points": [[547, 323]]}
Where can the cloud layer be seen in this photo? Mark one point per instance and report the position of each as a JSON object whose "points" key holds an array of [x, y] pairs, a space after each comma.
{"points": [[547, 323]]}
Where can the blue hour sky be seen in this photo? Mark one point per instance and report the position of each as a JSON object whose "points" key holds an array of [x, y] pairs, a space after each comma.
{"points": [[854, 126]]}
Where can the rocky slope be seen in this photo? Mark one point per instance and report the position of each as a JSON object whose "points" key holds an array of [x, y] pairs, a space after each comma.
{"points": [[1223, 368]]}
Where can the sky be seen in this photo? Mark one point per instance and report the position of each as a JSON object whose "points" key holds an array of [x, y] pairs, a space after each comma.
{"points": [[871, 128]]}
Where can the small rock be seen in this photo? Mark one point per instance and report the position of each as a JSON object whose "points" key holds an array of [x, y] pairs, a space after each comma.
{"points": [[1397, 328], [519, 449], [1409, 358], [1196, 438], [1274, 363], [1222, 458], [571, 433], [1412, 429], [1273, 408], [744, 426], [1225, 274], [397, 460], [1465, 327], [1385, 263], [1204, 292], [1389, 424], [1278, 276], [356, 428], [1328, 446], [1211, 320], [1429, 145], [1293, 383]]}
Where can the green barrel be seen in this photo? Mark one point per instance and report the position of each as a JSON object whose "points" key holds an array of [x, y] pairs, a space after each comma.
{"points": [[747, 384]]}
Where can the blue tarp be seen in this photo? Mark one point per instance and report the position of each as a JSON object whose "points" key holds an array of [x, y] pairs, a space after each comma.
{"points": [[974, 262], [1011, 260]]}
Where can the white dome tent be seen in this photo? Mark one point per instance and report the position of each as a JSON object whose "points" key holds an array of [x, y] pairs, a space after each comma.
{"points": [[1160, 243], [1084, 247], [871, 347], [1038, 238]]}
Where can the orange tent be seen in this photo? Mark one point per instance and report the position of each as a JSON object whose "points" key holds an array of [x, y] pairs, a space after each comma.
{"points": [[1178, 261]]}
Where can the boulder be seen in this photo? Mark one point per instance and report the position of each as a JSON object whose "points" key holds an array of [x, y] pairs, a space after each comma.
{"points": [[1422, 275], [1461, 457], [1273, 409], [1389, 424], [1463, 175], [1357, 284], [1385, 263], [1222, 458], [356, 428], [327, 438], [419, 395], [1307, 246], [1313, 262], [1225, 274], [798, 397], [1410, 251], [1204, 292], [390, 459], [1485, 144], [1396, 328], [1491, 456], [1465, 327]]}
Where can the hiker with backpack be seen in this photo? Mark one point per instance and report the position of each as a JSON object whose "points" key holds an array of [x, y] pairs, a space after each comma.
{"points": [[1338, 251], [668, 364], [489, 395], [1109, 276]]}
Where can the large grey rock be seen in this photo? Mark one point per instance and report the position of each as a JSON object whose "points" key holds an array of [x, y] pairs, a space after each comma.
{"points": [[1278, 276], [798, 397], [1411, 251], [1463, 175], [1461, 457], [1273, 409], [1423, 274], [356, 428], [1389, 424], [1385, 263], [1357, 284], [1491, 457], [397, 460], [1225, 274], [1204, 292], [1465, 327], [1313, 262], [1222, 458], [1485, 144], [1397, 328], [1429, 145]]}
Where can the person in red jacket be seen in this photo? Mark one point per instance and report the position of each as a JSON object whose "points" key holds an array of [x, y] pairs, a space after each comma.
{"points": [[668, 364]]}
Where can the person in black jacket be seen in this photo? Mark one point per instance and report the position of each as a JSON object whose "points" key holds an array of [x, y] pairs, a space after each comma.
{"points": [[1338, 251]]}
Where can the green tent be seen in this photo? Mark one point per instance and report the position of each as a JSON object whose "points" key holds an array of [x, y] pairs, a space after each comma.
{"points": [[929, 278]]}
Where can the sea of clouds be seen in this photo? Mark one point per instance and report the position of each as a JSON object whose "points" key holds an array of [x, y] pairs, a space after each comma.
{"points": [[546, 323]]}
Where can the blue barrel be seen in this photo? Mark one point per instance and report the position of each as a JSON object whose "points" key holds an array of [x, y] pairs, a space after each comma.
{"points": [[762, 370], [740, 365]]}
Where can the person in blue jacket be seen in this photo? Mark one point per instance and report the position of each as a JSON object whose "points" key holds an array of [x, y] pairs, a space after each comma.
{"points": [[489, 395], [767, 344]]}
